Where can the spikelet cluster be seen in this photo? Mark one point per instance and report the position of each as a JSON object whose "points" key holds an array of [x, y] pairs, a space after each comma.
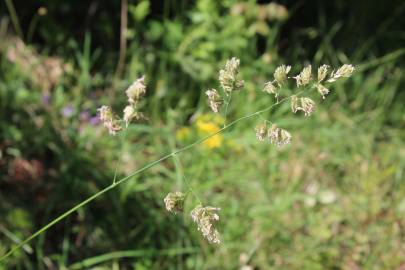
{"points": [[280, 78], [344, 71], [228, 77], [229, 82], [278, 136], [304, 104], [205, 218], [174, 202], [214, 100], [134, 94], [261, 131], [109, 120], [274, 134], [305, 76]]}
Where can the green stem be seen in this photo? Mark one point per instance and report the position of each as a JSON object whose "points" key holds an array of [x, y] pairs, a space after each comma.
{"points": [[226, 108], [146, 167], [32, 26], [14, 18], [180, 167], [121, 153]]}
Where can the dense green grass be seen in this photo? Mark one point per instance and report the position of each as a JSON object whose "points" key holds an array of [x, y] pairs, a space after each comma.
{"points": [[333, 199]]}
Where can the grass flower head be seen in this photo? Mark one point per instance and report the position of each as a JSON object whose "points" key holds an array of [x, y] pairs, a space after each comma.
{"points": [[205, 218], [174, 201]]}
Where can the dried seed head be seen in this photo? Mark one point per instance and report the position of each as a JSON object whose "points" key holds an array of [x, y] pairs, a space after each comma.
{"points": [[304, 77], [278, 136], [281, 74], [214, 100], [228, 76], [107, 118], [205, 218], [261, 131], [322, 90], [307, 106], [174, 201], [136, 90], [322, 72], [271, 89], [344, 71]]}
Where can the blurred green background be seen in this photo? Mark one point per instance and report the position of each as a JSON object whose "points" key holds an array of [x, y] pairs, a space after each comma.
{"points": [[334, 199]]}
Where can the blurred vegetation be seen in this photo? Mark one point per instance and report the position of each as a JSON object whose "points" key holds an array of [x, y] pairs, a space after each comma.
{"points": [[334, 199]]}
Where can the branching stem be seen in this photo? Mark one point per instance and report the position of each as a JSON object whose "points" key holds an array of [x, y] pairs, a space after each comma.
{"points": [[122, 180]]}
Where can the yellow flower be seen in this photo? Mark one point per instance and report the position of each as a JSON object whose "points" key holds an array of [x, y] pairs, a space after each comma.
{"points": [[206, 124], [206, 127], [183, 133], [213, 142]]}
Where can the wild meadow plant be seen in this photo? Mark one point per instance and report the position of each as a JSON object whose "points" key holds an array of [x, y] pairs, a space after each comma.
{"points": [[203, 215]]}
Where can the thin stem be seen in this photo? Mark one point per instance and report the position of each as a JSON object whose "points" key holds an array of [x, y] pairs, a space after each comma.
{"points": [[121, 153], [264, 119], [146, 167], [32, 26], [226, 108], [180, 166], [14, 18]]}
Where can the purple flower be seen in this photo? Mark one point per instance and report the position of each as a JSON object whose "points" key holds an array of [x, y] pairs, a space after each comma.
{"points": [[84, 116], [46, 99], [67, 111], [94, 120]]}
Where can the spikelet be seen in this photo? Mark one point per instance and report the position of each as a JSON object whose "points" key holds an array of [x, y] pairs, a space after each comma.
{"points": [[278, 136], [105, 113], [271, 89], [280, 75], [322, 72], [294, 103], [108, 119], [228, 76], [174, 201], [322, 90], [304, 77], [307, 106], [205, 218], [344, 71], [214, 100], [136, 90], [261, 131], [304, 104], [129, 114]]}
